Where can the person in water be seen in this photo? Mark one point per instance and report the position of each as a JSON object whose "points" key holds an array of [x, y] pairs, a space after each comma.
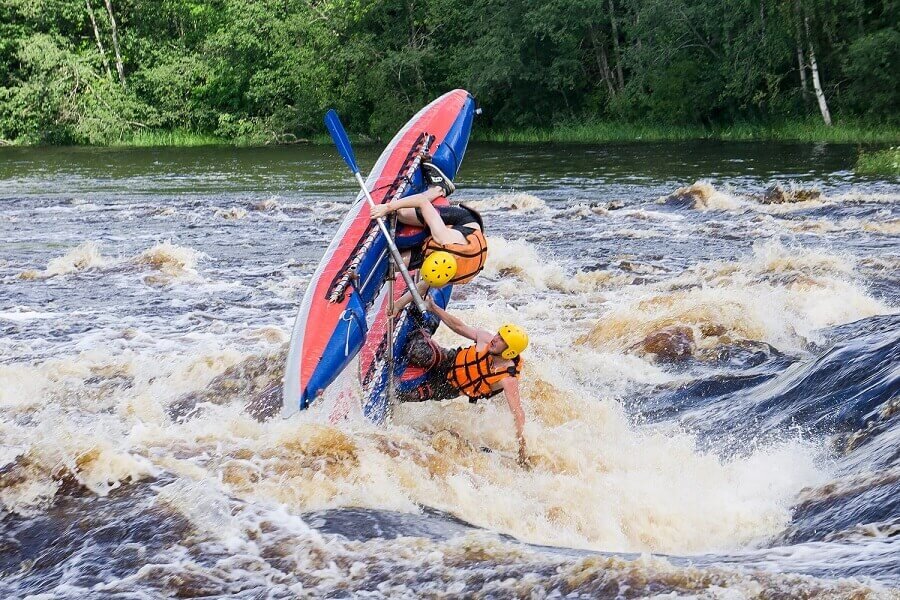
{"points": [[486, 368], [457, 230]]}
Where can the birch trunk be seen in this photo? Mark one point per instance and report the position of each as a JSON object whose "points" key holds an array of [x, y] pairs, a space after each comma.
{"points": [[115, 39], [801, 61], [801, 64], [817, 84], [602, 62], [90, 10], [615, 37], [607, 73]]}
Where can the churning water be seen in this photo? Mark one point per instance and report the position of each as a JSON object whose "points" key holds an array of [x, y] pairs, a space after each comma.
{"points": [[711, 391]]}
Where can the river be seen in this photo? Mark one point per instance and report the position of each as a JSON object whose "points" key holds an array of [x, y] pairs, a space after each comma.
{"points": [[711, 392]]}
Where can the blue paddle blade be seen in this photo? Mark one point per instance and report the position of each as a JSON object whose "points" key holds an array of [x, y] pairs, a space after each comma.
{"points": [[341, 141]]}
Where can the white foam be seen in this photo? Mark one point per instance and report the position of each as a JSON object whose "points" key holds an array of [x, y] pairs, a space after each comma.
{"points": [[518, 202], [83, 257]]}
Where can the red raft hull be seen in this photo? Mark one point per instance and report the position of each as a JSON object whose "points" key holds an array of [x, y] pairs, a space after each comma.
{"points": [[330, 328]]}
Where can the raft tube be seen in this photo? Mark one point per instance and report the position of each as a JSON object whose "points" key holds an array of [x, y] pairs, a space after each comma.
{"points": [[333, 319]]}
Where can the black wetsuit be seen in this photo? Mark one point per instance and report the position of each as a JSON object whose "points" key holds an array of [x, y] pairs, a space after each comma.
{"points": [[459, 217]]}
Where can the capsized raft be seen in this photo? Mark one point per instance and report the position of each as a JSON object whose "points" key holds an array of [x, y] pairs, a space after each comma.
{"points": [[337, 309]]}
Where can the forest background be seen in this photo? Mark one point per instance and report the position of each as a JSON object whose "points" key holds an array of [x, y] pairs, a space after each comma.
{"points": [[264, 71]]}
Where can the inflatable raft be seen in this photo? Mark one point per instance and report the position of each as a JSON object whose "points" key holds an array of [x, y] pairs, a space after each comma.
{"points": [[343, 307]]}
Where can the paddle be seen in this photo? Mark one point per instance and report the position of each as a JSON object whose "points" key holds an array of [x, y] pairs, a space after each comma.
{"points": [[342, 142]]}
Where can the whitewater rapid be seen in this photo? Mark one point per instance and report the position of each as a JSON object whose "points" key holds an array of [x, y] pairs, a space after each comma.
{"points": [[127, 304]]}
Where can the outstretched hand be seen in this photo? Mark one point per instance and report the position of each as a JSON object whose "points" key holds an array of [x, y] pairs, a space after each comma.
{"points": [[523, 460]]}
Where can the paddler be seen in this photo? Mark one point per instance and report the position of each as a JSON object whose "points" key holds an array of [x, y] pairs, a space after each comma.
{"points": [[456, 230], [486, 368]]}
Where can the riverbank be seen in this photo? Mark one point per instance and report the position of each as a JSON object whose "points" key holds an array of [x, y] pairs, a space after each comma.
{"points": [[177, 139], [883, 162], [598, 132], [581, 133], [188, 139]]}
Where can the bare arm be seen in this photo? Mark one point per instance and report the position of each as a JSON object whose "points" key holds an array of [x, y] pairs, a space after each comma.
{"points": [[456, 324], [417, 200], [511, 392], [406, 298]]}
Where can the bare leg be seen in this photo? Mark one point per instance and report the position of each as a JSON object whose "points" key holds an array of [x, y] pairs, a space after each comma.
{"points": [[408, 216], [441, 234], [406, 209]]}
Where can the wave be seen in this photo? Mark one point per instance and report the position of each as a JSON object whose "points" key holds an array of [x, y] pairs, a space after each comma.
{"points": [[701, 195], [776, 199], [232, 213], [521, 260], [194, 540], [776, 194], [171, 261], [161, 212], [519, 202], [779, 295], [845, 394], [84, 257], [891, 227], [268, 204], [599, 481]]}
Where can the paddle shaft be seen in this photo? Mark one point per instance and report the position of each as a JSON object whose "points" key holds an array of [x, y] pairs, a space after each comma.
{"points": [[395, 253], [390, 332]]}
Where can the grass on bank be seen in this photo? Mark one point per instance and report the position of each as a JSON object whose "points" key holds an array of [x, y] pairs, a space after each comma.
{"points": [[574, 132], [604, 131], [882, 162], [182, 139], [186, 139]]}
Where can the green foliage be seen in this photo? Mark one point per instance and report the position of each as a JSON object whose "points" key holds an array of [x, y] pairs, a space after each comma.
{"points": [[62, 99], [883, 162], [872, 63], [264, 71]]}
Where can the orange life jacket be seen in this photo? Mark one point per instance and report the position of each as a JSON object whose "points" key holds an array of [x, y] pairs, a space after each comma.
{"points": [[470, 256], [473, 373]]}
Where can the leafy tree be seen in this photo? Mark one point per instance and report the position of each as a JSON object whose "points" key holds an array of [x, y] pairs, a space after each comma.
{"points": [[265, 70], [872, 63]]}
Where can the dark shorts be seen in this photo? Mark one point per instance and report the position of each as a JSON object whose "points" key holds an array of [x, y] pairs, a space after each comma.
{"points": [[421, 351], [456, 217]]}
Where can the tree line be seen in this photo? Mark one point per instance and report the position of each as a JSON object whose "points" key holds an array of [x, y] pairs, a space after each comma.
{"points": [[94, 71]]}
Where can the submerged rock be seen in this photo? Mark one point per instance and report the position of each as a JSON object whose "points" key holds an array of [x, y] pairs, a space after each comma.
{"points": [[669, 344], [685, 197], [700, 195], [775, 194], [739, 353], [268, 204], [257, 377]]}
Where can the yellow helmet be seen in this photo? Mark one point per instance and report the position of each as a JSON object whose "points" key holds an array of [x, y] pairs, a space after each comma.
{"points": [[439, 268], [516, 340]]}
